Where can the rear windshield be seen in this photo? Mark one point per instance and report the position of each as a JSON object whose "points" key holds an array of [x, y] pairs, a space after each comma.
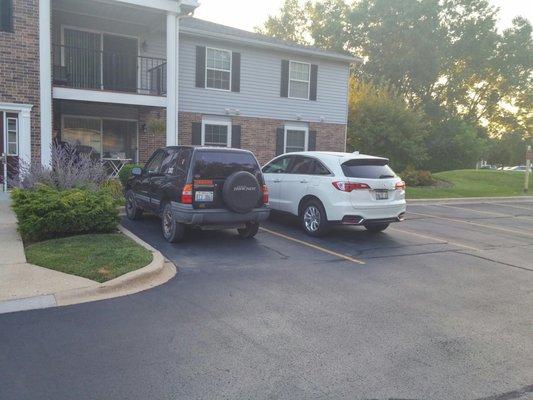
{"points": [[368, 169], [221, 164]]}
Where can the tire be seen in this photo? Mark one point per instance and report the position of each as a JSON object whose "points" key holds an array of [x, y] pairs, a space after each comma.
{"points": [[241, 192], [249, 231], [173, 231], [133, 211], [314, 219], [376, 228]]}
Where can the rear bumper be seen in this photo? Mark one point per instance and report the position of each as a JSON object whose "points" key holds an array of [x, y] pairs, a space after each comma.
{"points": [[186, 214], [371, 215]]}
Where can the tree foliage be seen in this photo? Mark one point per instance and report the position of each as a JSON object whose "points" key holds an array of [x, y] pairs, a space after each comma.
{"points": [[445, 57]]}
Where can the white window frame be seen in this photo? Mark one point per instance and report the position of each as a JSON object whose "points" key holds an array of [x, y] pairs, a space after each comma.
{"points": [[7, 142], [102, 129], [219, 69], [296, 127], [300, 80], [217, 121]]}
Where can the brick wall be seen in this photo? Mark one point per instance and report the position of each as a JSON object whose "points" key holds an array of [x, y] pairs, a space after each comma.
{"points": [[259, 134], [149, 142], [19, 64]]}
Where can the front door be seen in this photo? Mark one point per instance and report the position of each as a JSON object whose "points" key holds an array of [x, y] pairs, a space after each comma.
{"points": [[120, 63], [9, 135]]}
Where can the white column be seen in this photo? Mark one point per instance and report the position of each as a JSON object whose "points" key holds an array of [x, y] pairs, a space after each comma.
{"points": [[172, 79], [25, 135], [45, 67]]}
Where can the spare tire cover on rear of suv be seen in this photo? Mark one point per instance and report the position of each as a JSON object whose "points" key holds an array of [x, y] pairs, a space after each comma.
{"points": [[241, 192]]}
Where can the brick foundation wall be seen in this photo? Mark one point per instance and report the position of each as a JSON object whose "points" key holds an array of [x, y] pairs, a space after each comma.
{"points": [[259, 134], [19, 64]]}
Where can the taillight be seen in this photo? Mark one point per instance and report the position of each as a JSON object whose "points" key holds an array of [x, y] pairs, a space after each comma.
{"points": [[400, 185], [349, 186], [186, 194], [264, 189]]}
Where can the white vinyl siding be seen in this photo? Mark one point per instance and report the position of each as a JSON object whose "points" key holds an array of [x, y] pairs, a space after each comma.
{"points": [[299, 78], [217, 69], [260, 79]]}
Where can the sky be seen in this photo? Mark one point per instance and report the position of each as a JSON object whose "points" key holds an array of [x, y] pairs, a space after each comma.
{"points": [[247, 14]]}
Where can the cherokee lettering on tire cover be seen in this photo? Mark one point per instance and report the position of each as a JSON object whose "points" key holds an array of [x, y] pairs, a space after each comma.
{"points": [[241, 192]]}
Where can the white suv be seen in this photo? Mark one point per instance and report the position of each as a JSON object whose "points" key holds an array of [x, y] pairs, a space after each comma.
{"points": [[323, 188]]}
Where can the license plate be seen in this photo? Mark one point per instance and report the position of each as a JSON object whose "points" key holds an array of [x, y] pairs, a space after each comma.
{"points": [[382, 195], [203, 196]]}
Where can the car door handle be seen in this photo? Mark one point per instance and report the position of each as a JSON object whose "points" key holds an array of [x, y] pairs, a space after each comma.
{"points": [[276, 180], [304, 181]]}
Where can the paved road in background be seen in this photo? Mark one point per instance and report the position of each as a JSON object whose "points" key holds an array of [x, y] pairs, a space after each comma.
{"points": [[438, 307]]}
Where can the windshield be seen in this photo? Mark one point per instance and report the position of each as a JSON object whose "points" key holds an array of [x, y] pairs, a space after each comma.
{"points": [[374, 168], [221, 164]]}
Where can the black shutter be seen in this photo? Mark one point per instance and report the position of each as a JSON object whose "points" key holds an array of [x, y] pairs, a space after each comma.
{"points": [[235, 72], [6, 14], [280, 141], [196, 134], [314, 78], [311, 144], [200, 66], [284, 90], [236, 136]]}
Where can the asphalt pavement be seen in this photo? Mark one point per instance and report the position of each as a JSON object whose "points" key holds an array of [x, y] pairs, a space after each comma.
{"points": [[437, 307]]}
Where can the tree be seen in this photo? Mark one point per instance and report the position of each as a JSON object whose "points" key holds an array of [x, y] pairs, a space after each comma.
{"points": [[381, 123], [291, 24]]}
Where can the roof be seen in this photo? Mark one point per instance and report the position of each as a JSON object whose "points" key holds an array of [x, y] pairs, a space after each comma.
{"points": [[336, 155], [199, 27]]}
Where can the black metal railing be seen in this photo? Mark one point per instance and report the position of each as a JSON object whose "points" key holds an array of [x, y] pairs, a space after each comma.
{"points": [[82, 68]]}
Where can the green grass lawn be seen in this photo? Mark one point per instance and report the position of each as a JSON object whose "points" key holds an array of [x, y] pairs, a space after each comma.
{"points": [[100, 257], [472, 183]]}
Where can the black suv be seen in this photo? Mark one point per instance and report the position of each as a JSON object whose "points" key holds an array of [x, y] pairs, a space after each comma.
{"points": [[204, 187]]}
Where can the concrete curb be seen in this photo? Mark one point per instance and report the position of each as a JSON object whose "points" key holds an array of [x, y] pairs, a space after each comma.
{"points": [[467, 199], [156, 273]]}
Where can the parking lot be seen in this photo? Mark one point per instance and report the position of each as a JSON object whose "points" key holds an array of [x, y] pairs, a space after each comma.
{"points": [[437, 307]]}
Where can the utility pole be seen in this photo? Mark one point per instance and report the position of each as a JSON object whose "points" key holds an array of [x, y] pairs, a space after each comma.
{"points": [[529, 156]]}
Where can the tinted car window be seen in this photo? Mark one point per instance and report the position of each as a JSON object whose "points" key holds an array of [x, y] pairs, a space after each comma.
{"points": [[154, 164], [168, 162], [368, 168], [320, 169], [302, 165], [279, 166], [221, 164]]}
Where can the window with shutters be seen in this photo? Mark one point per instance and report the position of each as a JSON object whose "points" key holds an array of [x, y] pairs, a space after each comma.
{"points": [[216, 132], [6, 15], [217, 69], [299, 80], [296, 138]]}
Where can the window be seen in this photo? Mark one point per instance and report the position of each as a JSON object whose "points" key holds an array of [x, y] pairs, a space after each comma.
{"points": [[12, 136], [83, 132], [372, 168], [296, 138], [214, 164], [278, 166], [218, 69], [216, 132], [302, 165], [299, 74], [6, 15], [153, 165], [320, 169]]}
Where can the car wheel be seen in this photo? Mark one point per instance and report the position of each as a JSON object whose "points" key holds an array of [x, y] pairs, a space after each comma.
{"points": [[173, 231], [314, 219], [376, 228], [249, 231], [133, 211]]}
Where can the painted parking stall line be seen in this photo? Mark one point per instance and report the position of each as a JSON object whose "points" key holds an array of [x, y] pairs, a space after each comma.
{"points": [[313, 246], [496, 214], [433, 237]]}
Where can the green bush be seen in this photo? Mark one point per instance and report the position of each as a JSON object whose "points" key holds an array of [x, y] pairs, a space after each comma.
{"points": [[114, 188], [125, 173], [413, 177], [45, 212]]}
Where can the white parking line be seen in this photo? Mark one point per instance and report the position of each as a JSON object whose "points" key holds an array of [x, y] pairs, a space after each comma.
{"points": [[487, 212], [515, 206], [433, 237]]}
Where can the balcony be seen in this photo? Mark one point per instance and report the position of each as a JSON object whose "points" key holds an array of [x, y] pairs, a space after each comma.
{"points": [[95, 69]]}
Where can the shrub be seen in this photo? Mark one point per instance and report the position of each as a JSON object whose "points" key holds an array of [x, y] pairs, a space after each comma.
{"points": [[46, 212], [413, 177], [125, 173], [69, 169], [114, 188]]}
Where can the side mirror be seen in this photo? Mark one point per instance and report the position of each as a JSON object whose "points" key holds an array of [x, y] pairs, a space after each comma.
{"points": [[136, 171]]}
